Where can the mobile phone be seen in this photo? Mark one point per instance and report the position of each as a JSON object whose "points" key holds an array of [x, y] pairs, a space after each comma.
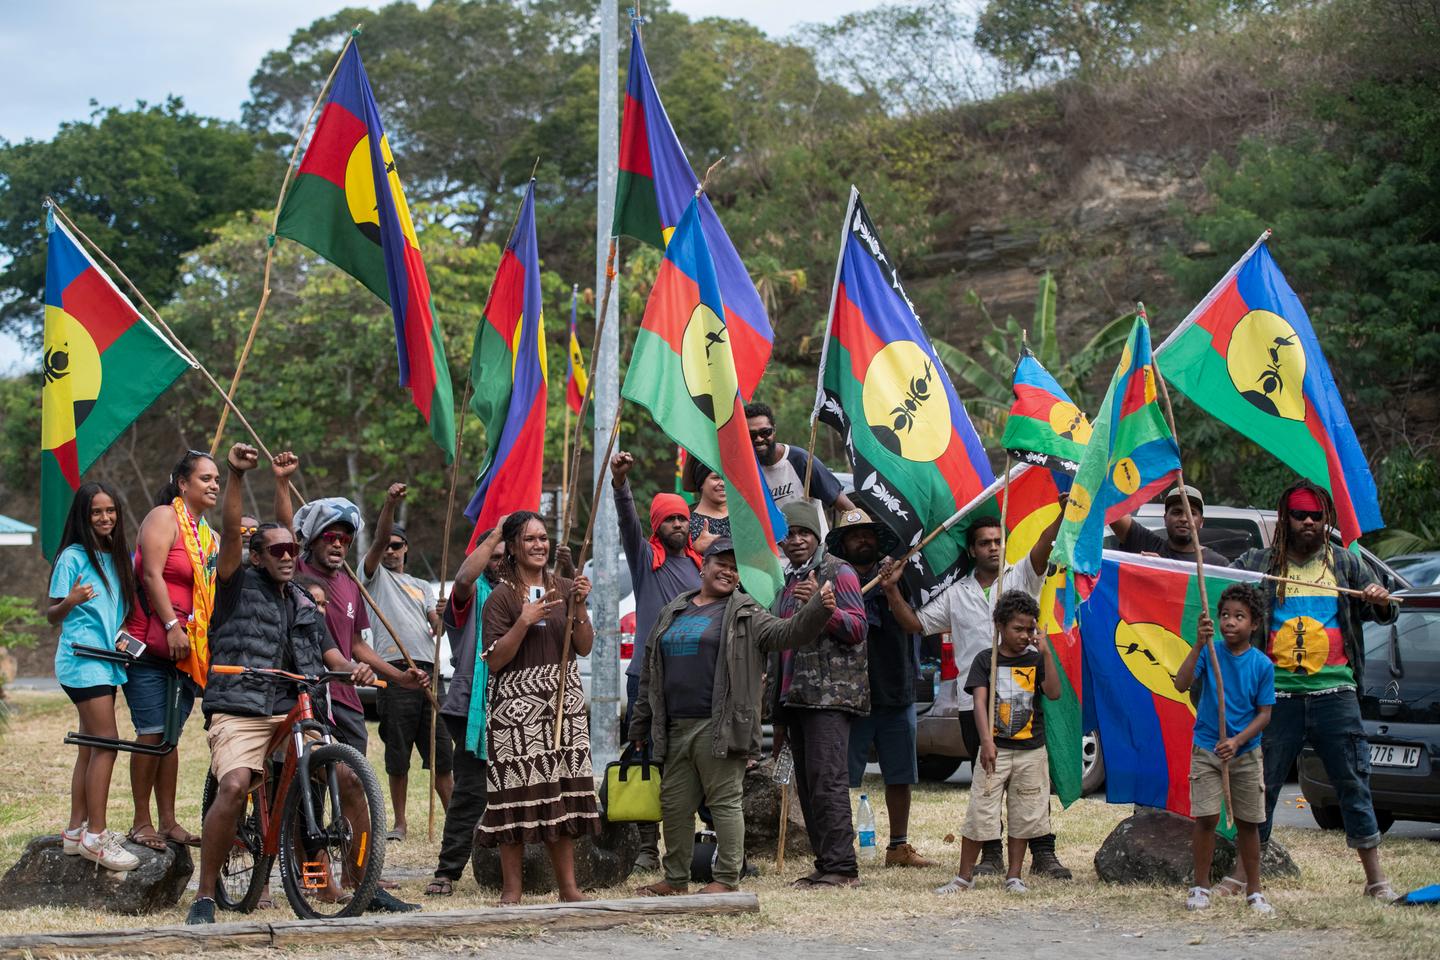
{"points": [[536, 594], [128, 644]]}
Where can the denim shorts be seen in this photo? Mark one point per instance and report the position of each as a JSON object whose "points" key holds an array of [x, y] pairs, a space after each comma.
{"points": [[145, 689], [892, 731]]}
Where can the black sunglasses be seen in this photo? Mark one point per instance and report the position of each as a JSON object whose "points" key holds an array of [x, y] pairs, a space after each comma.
{"points": [[396, 545], [1303, 515], [279, 550]]}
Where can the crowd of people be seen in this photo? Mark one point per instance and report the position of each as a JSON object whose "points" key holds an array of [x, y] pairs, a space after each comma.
{"points": [[830, 664]]}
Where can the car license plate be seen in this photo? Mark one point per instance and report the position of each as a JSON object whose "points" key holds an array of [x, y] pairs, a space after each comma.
{"points": [[1390, 755]]}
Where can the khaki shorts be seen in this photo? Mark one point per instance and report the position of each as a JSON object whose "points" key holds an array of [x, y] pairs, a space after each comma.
{"points": [[238, 743], [1020, 786], [1247, 785]]}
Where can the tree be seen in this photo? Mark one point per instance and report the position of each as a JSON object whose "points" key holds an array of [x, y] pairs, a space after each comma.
{"points": [[146, 184], [991, 374]]}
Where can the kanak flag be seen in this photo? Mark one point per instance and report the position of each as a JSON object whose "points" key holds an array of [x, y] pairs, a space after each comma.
{"points": [[335, 209]]}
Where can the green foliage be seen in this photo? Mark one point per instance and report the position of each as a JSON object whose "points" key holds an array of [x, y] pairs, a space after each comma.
{"points": [[146, 184], [990, 374], [17, 613]]}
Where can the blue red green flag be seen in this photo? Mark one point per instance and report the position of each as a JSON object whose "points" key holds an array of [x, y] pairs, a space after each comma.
{"points": [[1248, 355], [916, 455], [507, 368], [103, 365], [655, 187], [576, 381], [683, 371], [1131, 456], [335, 209], [1136, 628], [1044, 427]]}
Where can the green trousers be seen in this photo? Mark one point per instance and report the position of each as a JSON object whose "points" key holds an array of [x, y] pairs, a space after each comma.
{"points": [[693, 775]]}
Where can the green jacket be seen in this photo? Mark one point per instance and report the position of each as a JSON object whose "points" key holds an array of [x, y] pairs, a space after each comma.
{"points": [[749, 632], [1351, 572]]}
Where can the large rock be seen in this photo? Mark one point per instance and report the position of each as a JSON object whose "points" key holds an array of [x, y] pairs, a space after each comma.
{"points": [[1153, 846], [1275, 861], [45, 877], [762, 817], [602, 861]]}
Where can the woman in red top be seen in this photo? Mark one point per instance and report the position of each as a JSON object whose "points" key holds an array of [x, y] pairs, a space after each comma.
{"points": [[175, 564]]}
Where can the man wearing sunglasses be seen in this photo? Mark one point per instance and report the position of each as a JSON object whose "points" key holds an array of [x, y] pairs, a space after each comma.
{"points": [[784, 465], [262, 620], [405, 716], [1315, 636]]}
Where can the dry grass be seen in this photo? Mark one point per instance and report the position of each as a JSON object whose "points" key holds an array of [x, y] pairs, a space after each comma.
{"points": [[34, 778]]}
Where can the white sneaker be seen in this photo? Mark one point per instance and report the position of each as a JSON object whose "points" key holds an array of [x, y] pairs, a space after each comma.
{"points": [[1260, 905], [1015, 885], [956, 885], [1199, 899], [108, 852], [70, 840]]}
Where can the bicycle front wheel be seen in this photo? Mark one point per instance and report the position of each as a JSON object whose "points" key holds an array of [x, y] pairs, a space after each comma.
{"points": [[246, 869], [335, 871]]}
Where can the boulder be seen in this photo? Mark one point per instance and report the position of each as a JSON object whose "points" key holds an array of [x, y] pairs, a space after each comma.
{"points": [[1153, 846], [1275, 861], [762, 817], [600, 861], [45, 877]]}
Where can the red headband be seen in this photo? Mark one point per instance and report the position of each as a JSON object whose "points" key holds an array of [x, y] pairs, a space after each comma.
{"points": [[1304, 499]]}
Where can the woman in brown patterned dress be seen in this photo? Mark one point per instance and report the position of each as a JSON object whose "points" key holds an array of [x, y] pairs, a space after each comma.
{"points": [[535, 793]]}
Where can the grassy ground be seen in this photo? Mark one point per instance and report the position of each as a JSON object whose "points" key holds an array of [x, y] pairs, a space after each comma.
{"points": [[34, 783]]}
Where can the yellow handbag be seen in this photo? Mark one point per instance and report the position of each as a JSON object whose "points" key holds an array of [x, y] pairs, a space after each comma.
{"points": [[631, 791]]}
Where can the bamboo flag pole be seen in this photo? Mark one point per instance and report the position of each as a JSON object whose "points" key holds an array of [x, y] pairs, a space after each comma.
{"points": [[270, 242], [444, 574], [995, 598], [1199, 575], [179, 345], [600, 320], [573, 608], [825, 348]]}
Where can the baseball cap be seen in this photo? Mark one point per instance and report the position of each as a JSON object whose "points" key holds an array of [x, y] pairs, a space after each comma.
{"points": [[1186, 491], [721, 545]]}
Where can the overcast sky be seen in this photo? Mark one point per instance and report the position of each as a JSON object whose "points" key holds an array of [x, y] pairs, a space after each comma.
{"points": [[58, 55]]}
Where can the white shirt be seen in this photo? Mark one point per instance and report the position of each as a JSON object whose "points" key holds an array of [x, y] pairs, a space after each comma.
{"points": [[965, 611]]}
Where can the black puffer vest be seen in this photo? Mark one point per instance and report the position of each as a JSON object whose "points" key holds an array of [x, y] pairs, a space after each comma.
{"points": [[255, 636]]}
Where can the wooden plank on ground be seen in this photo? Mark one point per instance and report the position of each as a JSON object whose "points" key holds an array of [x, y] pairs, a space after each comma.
{"points": [[591, 915]]}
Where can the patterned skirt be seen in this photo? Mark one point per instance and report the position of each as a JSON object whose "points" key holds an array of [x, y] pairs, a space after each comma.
{"points": [[535, 792]]}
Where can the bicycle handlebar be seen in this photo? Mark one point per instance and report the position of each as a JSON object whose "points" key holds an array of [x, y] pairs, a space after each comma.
{"points": [[326, 677]]}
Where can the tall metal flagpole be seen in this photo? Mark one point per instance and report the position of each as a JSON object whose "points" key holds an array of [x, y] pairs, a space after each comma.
{"points": [[605, 681]]}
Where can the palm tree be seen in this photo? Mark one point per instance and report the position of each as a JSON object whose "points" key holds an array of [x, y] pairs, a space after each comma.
{"points": [[990, 374]]}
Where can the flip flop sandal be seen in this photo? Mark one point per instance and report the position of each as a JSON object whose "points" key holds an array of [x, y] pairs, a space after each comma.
{"points": [[440, 887], [1382, 891], [151, 840], [185, 838], [397, 835], [265, 903], [1229, 887]]}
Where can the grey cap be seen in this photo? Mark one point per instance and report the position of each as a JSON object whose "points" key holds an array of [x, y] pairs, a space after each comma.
{"points": [[1186, 491], [719, 545]]}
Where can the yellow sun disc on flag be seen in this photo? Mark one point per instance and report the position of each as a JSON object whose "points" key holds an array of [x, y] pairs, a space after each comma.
{"points": [[360, 191], [1126, 476], [72, 377], [1301, 646], [1077, 507], [1266, 362], [1067, 421], [905, 402], [1153, 654], [708, 365]]}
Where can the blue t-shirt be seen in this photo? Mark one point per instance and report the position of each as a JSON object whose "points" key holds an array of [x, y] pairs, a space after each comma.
{"points": [[94, 623], [1249, 685]]}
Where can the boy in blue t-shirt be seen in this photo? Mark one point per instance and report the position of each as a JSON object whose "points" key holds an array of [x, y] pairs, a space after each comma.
{"points": [[1249, 681]]}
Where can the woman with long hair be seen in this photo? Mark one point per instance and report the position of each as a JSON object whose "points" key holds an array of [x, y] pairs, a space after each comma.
{"points": [[92, 587], [175, 564], [710, 515], [535, 793]]}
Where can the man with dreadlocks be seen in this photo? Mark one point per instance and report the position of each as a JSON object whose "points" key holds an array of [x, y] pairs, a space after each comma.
{"points": [[1315, 639]]}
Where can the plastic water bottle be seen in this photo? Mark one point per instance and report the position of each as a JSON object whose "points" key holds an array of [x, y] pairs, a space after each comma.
{"points": [[784, 767], [865, 827]]}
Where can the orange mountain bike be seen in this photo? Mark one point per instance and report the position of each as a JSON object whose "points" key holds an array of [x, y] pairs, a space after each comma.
{"points": [[317, 807]]}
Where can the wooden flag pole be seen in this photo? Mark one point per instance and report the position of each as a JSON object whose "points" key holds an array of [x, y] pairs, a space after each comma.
{"points": [[1200, 577], [600, 320], [270, 242], [444, 573], [565, 470], [572, 608], [995, 594], [229, 403], [810, 455]]}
